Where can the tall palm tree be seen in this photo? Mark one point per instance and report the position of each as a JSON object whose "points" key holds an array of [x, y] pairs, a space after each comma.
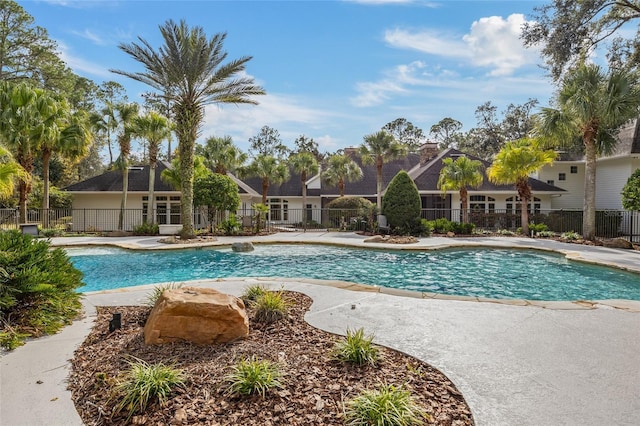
{"points": [[459, 175], [154, 128], [221, 155], [189, 73], [377, 149], [127, 113], [70, 139], [9, 171], [591, 106], [513, 164], [269, 169], [172, 175], [27, 116], [306, 164], [340, 170]]}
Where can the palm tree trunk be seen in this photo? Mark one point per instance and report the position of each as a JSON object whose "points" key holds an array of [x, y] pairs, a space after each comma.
{"points": [[589, 207], [524, 192], [46, 156], [150, 202], [265, 188], [379, 182], [463, 200], [123, 201], [303, 178], [341, 187]]}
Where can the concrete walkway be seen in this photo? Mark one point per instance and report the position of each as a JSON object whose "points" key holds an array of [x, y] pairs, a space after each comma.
{"points": [[573, 364]]}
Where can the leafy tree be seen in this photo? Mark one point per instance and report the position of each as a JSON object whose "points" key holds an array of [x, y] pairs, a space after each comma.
{"points": [[591, 106], [631, 192], [377, 149], [127, 114], [406, 133], [305, 144], [189, 73], [305, 164], [459, 175], [401, 202], [269, 169], [154, 128], [221, 155], [268, 142], [340, 170], [10, 170], [172, 175], [445, 132], [513, 165], [218, 192], [570, 31]]}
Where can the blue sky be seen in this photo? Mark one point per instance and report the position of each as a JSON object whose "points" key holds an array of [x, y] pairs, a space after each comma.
{"points": [[333, 70]]}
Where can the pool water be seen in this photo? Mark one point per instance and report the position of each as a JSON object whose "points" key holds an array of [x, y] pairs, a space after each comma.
{"points": [[495, 273]]}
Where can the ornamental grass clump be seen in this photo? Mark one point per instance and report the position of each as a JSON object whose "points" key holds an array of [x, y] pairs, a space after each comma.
{"points": [[356, 348], [157, 291], [253, 376], [252, 293], [144, 382], [271, 307], [387, 406]]}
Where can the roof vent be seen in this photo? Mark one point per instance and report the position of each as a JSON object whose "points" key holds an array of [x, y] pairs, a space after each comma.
{"points": [[135, 168]]}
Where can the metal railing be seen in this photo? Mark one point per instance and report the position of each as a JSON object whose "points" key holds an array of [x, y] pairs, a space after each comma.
{"points": [[609, 223]]}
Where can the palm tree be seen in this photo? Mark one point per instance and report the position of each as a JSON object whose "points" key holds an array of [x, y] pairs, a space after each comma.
{"points": [[513, 164], [27, 117], [189, 73], [377, 149], [9, 171], [127, 113], [306, 164], [269, 169], [592, 106], [172, 175], [459, 175], [341, 169], [221, 155], [70, 139], [154, 128]]}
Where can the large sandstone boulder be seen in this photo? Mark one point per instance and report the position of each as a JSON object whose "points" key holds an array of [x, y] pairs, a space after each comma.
{"points": [[199, 315], [241, 247]]}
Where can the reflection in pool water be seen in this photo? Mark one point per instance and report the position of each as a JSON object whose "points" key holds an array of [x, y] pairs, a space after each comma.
{"points": [[495, 273]]}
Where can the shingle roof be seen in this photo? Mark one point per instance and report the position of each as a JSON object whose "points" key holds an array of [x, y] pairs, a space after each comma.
{"points": [[111, 181], [426, 177], [628, 139], [368, 185]]}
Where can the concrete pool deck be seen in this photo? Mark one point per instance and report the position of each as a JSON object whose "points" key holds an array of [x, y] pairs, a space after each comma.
{"points": [[573, 364]]}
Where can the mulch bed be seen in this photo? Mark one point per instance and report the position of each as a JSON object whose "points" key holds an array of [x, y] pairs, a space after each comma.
{"points": [[315, 386]]}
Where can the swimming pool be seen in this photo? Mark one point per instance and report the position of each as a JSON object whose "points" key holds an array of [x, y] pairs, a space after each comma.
{"points": [[495, 273]]}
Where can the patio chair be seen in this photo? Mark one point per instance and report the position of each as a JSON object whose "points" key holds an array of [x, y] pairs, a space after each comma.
{"points": [[383, 226]]}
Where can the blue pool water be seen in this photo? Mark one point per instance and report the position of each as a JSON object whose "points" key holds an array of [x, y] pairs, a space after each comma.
{"points": [[496, 273]]}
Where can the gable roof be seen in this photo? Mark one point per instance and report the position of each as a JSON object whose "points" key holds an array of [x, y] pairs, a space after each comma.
{"points": [[367, 186], [111, 181], [628, 139], [427, 175]]}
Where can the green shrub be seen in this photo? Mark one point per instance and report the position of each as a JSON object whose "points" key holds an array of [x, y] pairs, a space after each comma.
{"points": [[389, 405], [252, 293], [401, 202], [546, 234], [230, 226], [570, 236], [356, 348], [462, 228], [536, 228], [252, 376], [353, 211], [37, 286], [271, 307], [51, 232], [146, 229], [631, 192], [145, 382], [441, 225], [505, 232], [157, 291]]}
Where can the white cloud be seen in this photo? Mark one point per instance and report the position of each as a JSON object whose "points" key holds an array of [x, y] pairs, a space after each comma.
{"points": [[492, 42], [89, 35], [80, 65]]}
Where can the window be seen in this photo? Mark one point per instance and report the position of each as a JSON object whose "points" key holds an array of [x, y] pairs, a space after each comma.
{"points": [[551, 182], [278, 209], [481, 203], [534, 205], [574, 169], [562, 176]]}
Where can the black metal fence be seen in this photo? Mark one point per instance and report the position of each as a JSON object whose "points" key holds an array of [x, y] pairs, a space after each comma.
{"points": [[609, 223]]}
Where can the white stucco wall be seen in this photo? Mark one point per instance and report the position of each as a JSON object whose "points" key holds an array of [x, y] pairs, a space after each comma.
{"points": [[574, 184]]}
